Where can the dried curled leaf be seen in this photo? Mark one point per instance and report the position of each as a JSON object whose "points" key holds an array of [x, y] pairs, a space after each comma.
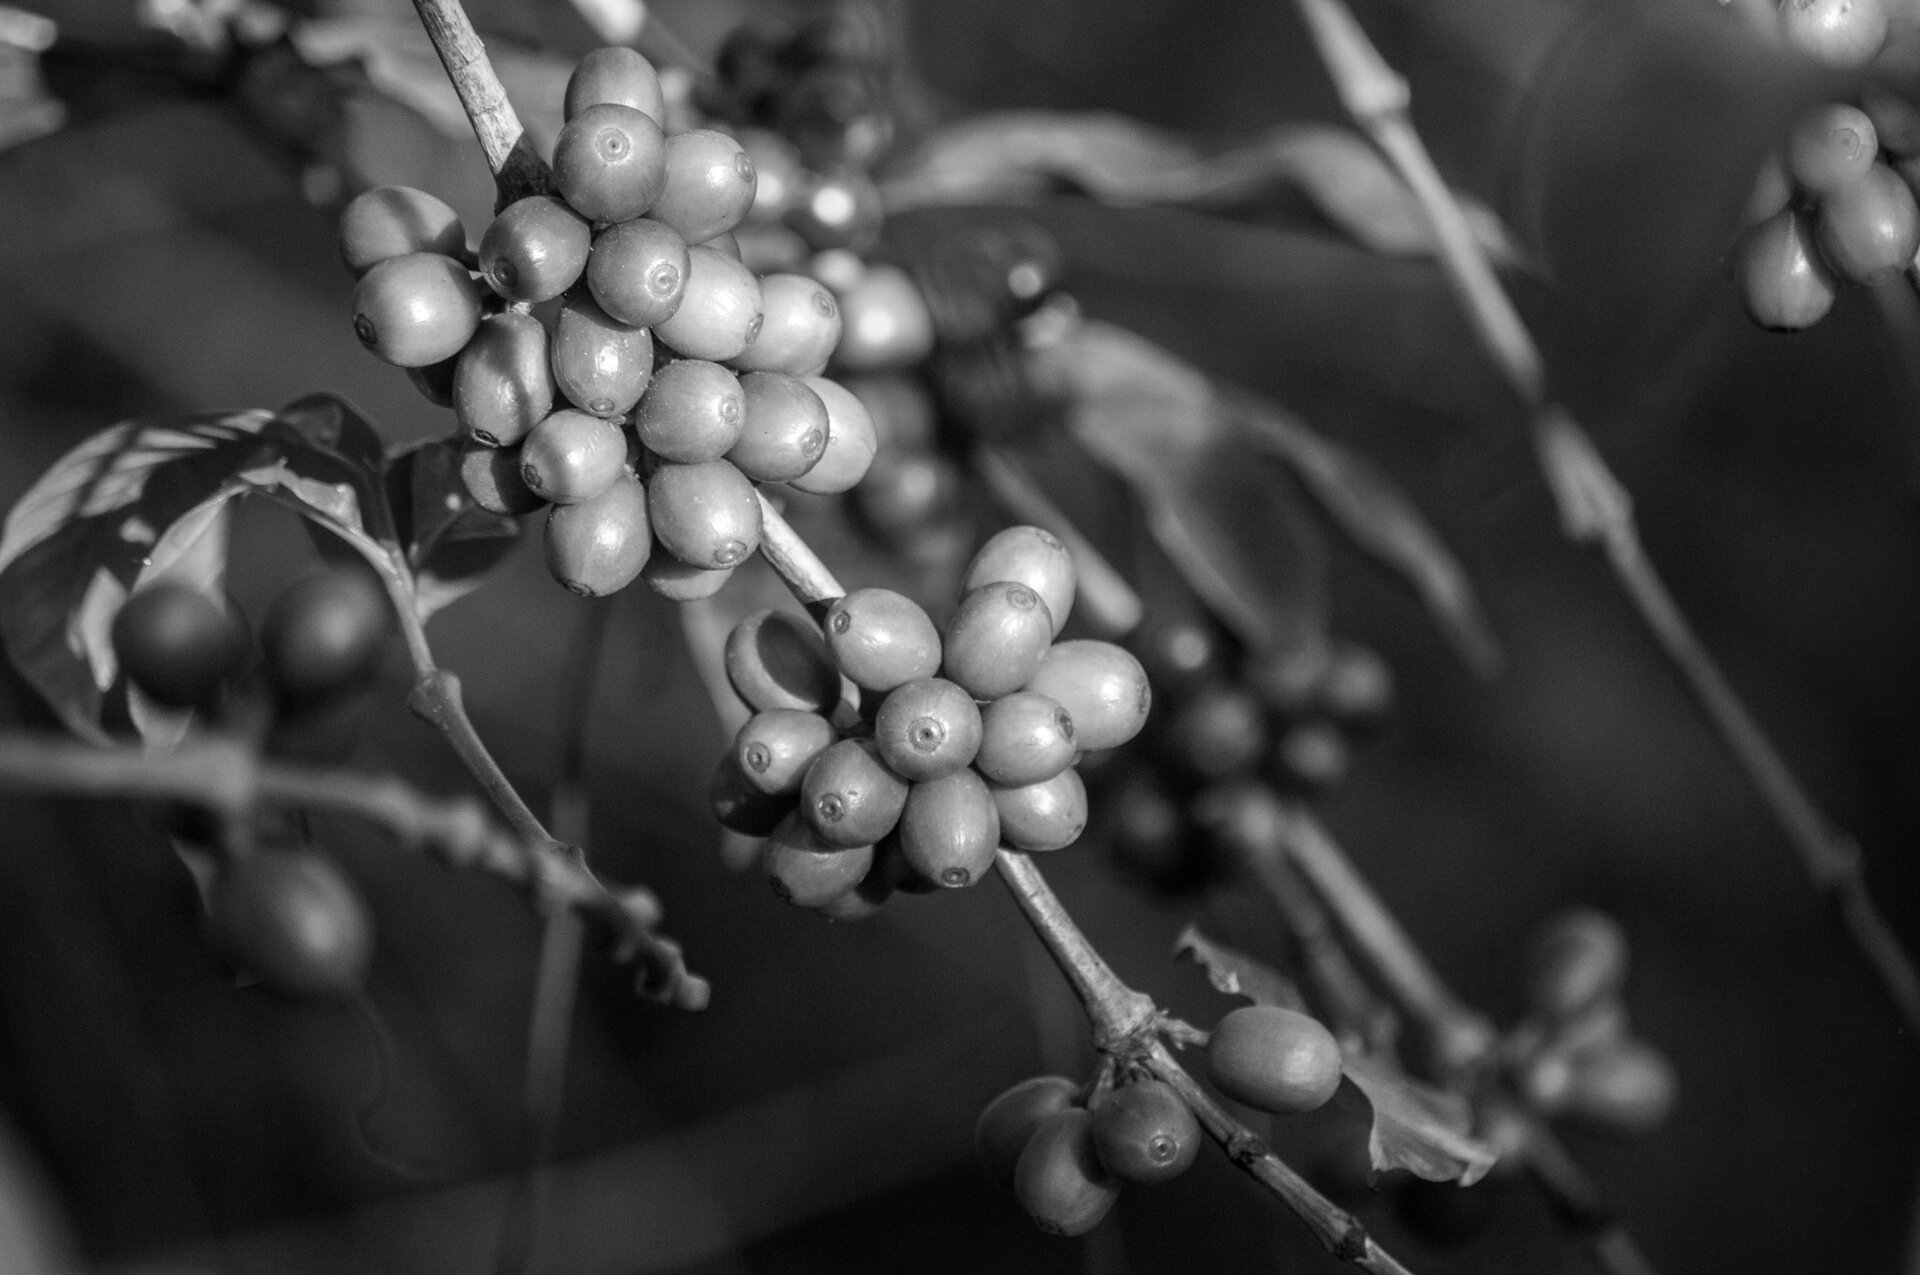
{"points": [[1235, 973]]}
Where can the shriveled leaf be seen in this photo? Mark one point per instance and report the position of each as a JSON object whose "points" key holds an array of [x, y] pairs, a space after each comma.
{"points": [[1235, 973], [1378, 517], [332, 463], [1416, 1127], [451, 543], [1015, 156]]}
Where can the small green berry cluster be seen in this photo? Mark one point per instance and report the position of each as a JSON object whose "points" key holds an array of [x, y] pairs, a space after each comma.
{"points": [[1837, 205], [963, 741], [612, 356]]}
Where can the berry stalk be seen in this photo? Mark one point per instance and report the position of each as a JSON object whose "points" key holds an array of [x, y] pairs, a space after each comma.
{"points": [[517, 169]]}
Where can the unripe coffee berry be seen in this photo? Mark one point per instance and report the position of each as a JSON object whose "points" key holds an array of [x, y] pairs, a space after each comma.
{"points": [[1006, 1123], [1576, 960], [785, 430], [882, 639], [1102, 687], [491, 476], [534, 250], [927, 728], [295, 921], [806, 871], [996, 639], [1626, 1088], [617, 75], [885, 324], [1843, 33], [849, 796], [324, 634], [693, 410], [1059, 1180], [503, 379], [638, 271], [1869, 229], [1030, 556], [601, 364], [950, 829], [1049, 815], [775, 659], [1831, 145], [738, 805], [416, 309], [392, 221], [799, 327], [675, 581], [719, 312], [1025, 738], [1143, 1132], [598, 546], [1784, 283], [610, 162], [709, 184], [706, 514], [1273, 1059], [851, 442], [776, 746], [176, 643], [572, 456], [1220, 730]]}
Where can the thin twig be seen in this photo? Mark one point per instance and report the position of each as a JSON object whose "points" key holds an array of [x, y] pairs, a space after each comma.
{"points": [[517, 168], [1594, 507]]}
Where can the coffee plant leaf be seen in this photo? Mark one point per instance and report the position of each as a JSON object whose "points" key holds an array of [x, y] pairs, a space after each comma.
{"points": [[1381, 520], [450, 542], [1416, 1127], [1235, 973]]}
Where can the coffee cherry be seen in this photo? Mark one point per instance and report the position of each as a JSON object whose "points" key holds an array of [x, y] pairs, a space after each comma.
{"points": [[1143, 1132], [638, 271], [435, 381], [1029, 556], [885, 324], [675, 581], [777, 745], [176, 644], [1273, 1059], [1626, 1088], [1838, 32], [1007, 1122], [849, 796], [738, 805], [709, 184], [601, 364], [1246, 821], [778, 174], [1059, 1180], [1288, 677], [950, 829], [1102, 687], [617, 75], [597, 547], [534, 250], [1357, 690], [881, 639], [902, 497], [799, 327], [295, 921], [727, 244], [392, 221], [1220, 730], [1784, 283], [850, 442], [1179, 649], [1896, 121], [1577, 959], [841, 208], [1313, 756], [1049, 815], [1025, 738], [693, 410], [610, 162], [775, 659], [1830, 146], [996, 639], [785, 430], [902, 410], [415, 309], [1771, 192], [572, 456], [927, 728], [1870, 230], [707, 514], [503, 380], [324, 634], [806, 871], [492, 478], [719, 313]]}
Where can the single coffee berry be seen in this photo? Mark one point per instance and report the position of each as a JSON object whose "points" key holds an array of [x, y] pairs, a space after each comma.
{"points": [[851, 441], [1059, 1179], [601, 364], [808, 872], [392, 221], [638, 271], [777, 745], [616, 75], [707, 514], [799, 327], [1025, 738], [709, 184], [598, 546], [719, 312], [1007, 1122], [1029, 556], [784, 432], [416, 309], [996, 639], [534, 250], [610, 162], [1049, 815], [1102, 687], [503, 379], [950, 829], [492, 478], [849, 796], [926, 729], [882, 639]]}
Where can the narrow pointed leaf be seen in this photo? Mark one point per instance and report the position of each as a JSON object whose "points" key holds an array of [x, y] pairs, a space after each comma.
{"points": [[1235, 973], [1416, 1127]]}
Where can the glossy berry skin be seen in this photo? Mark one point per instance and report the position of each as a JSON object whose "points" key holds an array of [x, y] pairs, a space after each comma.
{"points": [[597, 547], [415, 310], [1027, 555], [492, 478], [775, 659], [610, 162], [1059, 1179], [706, 514], [799, 327], [950, 829], [1274, 1060], [926, 729], [1025, 738], [808, 872], [776, 746], [851, 442], [1576, 960], [1869, 230], [176, 643], [738, 805], [1782, 279], [719, 312], [1830, 146], [601, 364], [392, 221], [709, 184], [882, 639], [849, 796], [1102, 687], [638, 271], [778, 174], [295, 921], [693, 410], [534, 250], [841, 208], [1049, 815], [323, 634], [996, 639], [1844, 33], [885, 323], [1143, 1132], [572, 456], [503, 379], [675, 581], [785, 428], [1008, 1121], [617, 75]]}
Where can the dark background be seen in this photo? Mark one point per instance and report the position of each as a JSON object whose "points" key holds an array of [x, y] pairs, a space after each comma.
{"points": [[159, 257]]}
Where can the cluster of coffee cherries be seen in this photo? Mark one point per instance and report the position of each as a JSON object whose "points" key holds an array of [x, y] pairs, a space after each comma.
{"points": [[1838, 204], [1067, 1149], [1288, 719], [1576, 1056], [283, 913], [612, 356], [962, 741]]}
